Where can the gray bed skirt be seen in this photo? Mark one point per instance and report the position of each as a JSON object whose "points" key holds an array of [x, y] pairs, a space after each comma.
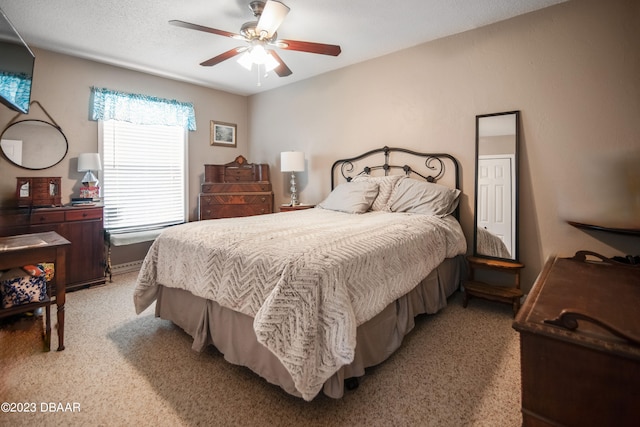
{"points": [[233, 335]]}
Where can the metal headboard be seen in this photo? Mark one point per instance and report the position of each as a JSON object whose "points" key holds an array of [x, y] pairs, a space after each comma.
{"points": [[435, 165]]}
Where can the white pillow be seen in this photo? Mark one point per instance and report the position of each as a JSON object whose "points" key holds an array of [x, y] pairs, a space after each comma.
{"points": [[351, 197], [423, 197], [385, 186]]}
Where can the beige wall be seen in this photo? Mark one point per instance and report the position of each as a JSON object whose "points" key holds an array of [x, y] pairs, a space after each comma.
{"points": [[62, 85], [572, 70]]}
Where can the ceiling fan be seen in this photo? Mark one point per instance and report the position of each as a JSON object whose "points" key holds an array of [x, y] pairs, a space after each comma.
{"points": [[261, 35]]}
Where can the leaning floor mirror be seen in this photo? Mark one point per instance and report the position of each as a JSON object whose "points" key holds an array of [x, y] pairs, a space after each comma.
{"points": [[496, 205]]}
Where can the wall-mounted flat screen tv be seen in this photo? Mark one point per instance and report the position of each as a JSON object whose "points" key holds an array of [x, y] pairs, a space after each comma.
{"points": [[16, 68]]}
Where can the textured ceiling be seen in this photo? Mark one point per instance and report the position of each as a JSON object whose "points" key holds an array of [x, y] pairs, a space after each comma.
{"points": [[135, 33]]}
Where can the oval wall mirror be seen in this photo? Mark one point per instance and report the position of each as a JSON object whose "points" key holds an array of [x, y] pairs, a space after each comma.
{"points": [[34, 144], [496, 209]]}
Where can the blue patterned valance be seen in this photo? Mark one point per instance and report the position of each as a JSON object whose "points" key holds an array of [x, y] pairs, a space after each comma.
{"points": [[16, 88], [141, 109]]}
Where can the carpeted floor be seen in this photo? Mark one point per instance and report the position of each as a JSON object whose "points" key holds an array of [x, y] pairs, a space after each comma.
{"points": [[459, 367]]}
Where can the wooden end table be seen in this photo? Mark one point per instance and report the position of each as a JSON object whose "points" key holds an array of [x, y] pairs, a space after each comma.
{"points": [[506, 294], [289, 208], [24, 249]]}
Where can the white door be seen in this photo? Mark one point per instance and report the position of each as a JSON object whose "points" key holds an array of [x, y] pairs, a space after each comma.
{"points": [[495, 192]]}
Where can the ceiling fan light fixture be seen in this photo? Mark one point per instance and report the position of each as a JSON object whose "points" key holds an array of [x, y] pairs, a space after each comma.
{"points": [[246, 61], [270, 63], [258, 55]]}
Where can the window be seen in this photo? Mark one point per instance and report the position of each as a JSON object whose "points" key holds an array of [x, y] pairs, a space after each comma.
{"points": [[143, 175], [143, 140]]}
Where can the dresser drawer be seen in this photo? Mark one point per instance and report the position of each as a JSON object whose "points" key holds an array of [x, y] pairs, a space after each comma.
{"points": [[13, 220], [46, 217], [232, 211], [79, 214], [214, 206], [232, 175], [239, 187], [234, 199]]}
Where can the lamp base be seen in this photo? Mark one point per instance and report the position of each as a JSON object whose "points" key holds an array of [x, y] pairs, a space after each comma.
{"points": [[89, 180], [294, 190]]}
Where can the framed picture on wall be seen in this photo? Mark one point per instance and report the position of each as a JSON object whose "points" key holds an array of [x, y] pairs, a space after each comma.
{"points": [[223, 134]]}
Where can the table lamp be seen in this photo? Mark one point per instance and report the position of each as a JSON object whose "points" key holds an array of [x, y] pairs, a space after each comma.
{"points": [[292, 161], [88, 162]]}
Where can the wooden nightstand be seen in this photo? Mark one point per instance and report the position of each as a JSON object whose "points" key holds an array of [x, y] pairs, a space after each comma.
{"points": [[506, 294], [289, 208]]}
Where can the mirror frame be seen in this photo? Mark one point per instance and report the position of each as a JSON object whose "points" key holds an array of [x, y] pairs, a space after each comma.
{"points": [[515, 202], [66, 141]]}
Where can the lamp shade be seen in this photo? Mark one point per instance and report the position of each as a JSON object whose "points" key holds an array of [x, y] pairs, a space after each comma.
{"points": [[89, 162], [292, 161], [272, 16]]}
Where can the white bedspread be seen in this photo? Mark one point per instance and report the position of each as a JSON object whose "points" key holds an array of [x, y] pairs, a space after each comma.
{"points": [[308, 278]]}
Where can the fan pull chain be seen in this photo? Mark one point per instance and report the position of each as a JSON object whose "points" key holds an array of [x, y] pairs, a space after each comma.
{"points": [[266, 74]]}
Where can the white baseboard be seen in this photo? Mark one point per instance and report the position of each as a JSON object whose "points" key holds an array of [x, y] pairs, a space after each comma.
{"points": [[126, 267]]}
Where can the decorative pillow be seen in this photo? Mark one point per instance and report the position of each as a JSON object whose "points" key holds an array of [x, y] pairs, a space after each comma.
{"points": [[33, 270], [351, 197], [414, 196], [16, 288], [49, 270], [385, 186]]}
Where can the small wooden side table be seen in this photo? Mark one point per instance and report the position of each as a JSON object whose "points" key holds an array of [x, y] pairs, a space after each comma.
{"points": [[24, 249], [289, 208], [506, 294]]}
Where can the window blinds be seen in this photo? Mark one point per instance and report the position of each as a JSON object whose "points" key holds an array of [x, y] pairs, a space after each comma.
{"points": [[143, 176]]}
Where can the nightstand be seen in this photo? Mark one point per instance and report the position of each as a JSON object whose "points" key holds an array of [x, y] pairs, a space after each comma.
{"points": [[289, 208], [507, 294]]}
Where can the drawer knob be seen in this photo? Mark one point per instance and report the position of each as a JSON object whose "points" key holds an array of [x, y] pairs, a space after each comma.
{"points": [[263, 199]]}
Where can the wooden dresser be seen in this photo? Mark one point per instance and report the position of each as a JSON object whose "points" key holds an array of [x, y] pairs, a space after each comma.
{"points": [[580, 344], [82, 226], [235, 189]]}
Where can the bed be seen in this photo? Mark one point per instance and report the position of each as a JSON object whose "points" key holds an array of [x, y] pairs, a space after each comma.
{"points": [[309, 299]]}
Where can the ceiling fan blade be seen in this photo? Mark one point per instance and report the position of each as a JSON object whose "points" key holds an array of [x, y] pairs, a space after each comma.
{"points": [[281, 70], [223, 56], [321, 48], [272, 16], [191, 26]]}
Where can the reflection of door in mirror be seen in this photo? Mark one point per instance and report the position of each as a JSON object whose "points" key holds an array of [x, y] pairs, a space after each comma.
{"points": [[12, 148], [496, 229]]}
